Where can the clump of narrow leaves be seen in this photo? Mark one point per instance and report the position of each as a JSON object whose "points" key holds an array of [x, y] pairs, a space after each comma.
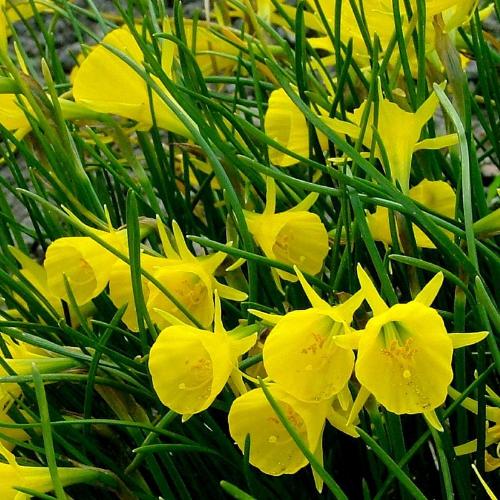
{"points": [[259, 250]]}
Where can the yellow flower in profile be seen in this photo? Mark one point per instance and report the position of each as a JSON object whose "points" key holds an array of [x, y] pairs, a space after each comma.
{"points": [[437, 196], [39, 479], [294, 237], [12, 116], [86, 264], [37, 277], [398, 130], [188, 278], [301, 353], [190, 367], [405, 352], [272, 449], [285, 124], [106, 83]]}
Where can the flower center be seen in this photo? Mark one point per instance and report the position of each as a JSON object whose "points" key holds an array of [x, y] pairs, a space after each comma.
{"points": [[399, 345]]}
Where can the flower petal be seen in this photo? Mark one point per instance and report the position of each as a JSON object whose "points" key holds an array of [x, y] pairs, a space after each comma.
{"points": [[465, 339], [427, 295], [372, 296]]}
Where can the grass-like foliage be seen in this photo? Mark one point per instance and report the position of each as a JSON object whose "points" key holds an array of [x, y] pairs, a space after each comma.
{"points": [[251, 252]]}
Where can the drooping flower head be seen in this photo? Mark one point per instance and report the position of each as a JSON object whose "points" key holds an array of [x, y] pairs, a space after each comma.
{"points": [[379, 18], [301, 353], [37, 277], [188, 278], [437, 196], [398, 130], [22, 357], [272, 449], [39, 479], [108, 84], [285, 124], [190, 367], [405, 352], [84, 262], [295, 237]]}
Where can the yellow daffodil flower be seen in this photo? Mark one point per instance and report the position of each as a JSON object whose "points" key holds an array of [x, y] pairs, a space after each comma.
{"points": [[301, 353], [294, 237], [189, 278], [399, 131], [14, 111], [12, 116], [405, 353], [106, 83], [438, 196], [285, 124], [190, 367], [37, 276], [39, 479], [272, 449], [85, 263]]}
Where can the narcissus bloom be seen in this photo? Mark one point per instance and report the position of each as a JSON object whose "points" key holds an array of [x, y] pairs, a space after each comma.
{"points": [[86, 264], [295, 237], [405, 353], [272, 449], [106, 83], [39, 479], [285, 123], [14, 110], [12, 116], [399, 132], [188, 278], [214, 53], [37, 277], [437, 196], [301, 353], [190, 367]]}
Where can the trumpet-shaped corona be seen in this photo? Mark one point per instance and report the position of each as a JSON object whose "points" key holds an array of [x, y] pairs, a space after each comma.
{"points": [[85, 264], [188, 278], [39, 479], [285, 124], [301, 353], [294, 237], [190, 367], [108, 84], [272, 449]]}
